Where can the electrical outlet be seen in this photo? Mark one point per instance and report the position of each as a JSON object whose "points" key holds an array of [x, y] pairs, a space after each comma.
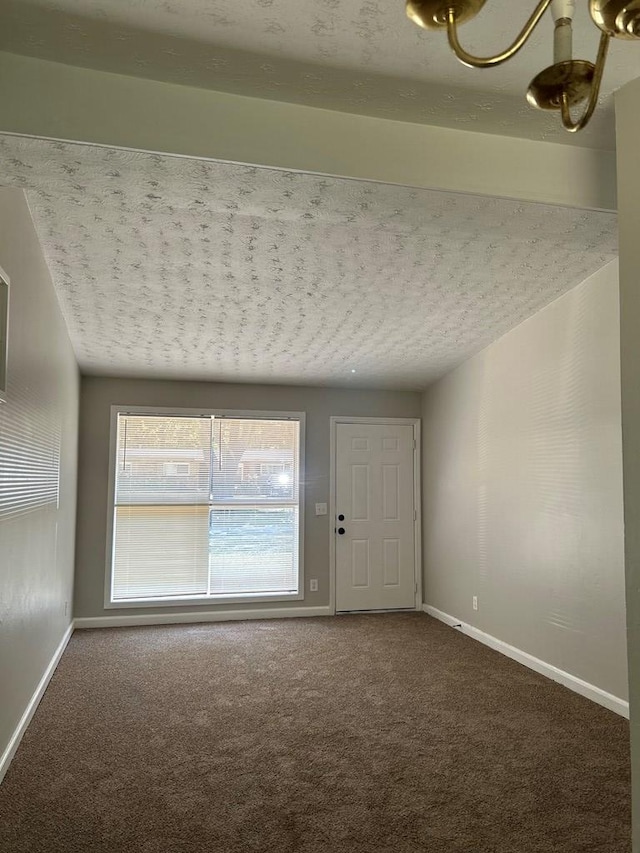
{"points": [[475, 602], [313, 585]]}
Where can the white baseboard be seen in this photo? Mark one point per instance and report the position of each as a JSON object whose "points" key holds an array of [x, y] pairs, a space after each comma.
{"points": [[122, 621], [590, 691], [30, 710]]}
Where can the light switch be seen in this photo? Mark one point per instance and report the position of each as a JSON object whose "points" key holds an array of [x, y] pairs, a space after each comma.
{"points": [[321, 509]]}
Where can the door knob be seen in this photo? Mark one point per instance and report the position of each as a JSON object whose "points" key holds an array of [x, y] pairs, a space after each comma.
{"points": [[341, 531]]}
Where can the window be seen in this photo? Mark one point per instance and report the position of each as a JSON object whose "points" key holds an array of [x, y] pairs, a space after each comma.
{"points": [[272, 470], [177, 469], [205, 507]]}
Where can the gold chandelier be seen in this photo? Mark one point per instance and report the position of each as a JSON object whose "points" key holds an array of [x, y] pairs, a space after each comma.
{"points": [[566, 84]]}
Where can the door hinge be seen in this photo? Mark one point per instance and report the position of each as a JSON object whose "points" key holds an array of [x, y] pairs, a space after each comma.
{"points": [[415, 515], [415, 587]]}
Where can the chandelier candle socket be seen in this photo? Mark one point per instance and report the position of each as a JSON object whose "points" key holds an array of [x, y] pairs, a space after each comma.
{"points": [[562, 11], [563, 85]]}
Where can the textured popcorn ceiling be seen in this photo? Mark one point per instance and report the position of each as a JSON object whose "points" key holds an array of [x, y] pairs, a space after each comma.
{"points": [[169, 266], [360, 56]]}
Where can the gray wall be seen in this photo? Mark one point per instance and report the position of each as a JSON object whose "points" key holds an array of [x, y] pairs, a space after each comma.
{"points": [[38, 440], [523, 488], [627, 135], [99, 394]]}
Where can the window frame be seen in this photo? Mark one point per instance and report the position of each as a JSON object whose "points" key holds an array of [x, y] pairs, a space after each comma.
{"points": [[5, 305], [200, 600]]}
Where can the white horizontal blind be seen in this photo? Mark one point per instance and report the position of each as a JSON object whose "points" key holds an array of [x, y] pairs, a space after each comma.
{"points": [[30, 427], [160, 551], [161, 524], [205, 506]]}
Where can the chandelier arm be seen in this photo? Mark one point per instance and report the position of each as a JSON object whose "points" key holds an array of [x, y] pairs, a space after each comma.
{"points": [[568, 123], [489, 61]]}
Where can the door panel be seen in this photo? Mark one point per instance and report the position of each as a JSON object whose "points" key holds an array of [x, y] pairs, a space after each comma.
{"points": [[360, 486], [360, 567], [391, 492], [375, 557], [391, 562]]}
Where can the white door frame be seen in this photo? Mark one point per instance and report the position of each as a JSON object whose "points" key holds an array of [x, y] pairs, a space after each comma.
{"points": [[417, 493]]}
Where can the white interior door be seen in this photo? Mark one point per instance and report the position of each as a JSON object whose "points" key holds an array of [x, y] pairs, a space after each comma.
{"points": [[375, 530]]}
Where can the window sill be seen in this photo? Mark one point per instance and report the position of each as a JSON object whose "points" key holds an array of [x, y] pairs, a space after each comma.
{"points": [[201, 600]]}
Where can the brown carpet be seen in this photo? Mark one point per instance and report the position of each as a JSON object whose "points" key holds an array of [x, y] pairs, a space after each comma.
{"points": [[361, 733]]}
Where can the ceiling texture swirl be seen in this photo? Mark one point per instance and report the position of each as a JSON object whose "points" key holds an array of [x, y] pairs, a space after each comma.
{"points": [[176, 267]]}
